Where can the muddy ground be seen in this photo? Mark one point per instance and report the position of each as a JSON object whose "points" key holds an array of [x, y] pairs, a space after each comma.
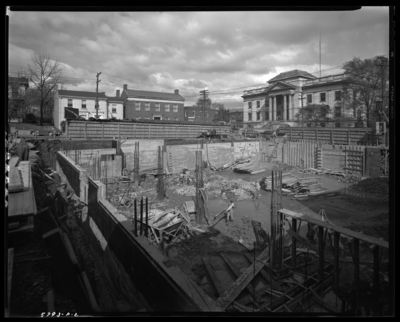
{"points": [[365, 212], [349, 207]]}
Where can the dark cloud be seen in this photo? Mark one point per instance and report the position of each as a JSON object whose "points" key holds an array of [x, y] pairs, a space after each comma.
{"points": [[193, 50]]}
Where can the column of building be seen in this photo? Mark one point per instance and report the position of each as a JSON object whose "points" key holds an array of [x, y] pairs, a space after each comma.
{"points": [[254, 111], [270, 108], [274, 108], [245, 115], [284, 116]]}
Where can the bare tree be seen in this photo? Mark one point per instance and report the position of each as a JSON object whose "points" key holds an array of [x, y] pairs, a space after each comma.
{"points": [[16, 97], [45, 74]]}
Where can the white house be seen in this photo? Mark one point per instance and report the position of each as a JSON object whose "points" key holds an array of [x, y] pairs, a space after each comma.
{"points": [[85, 102]]}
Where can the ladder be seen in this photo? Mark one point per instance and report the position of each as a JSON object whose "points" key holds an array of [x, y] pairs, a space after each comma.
{"points": [[273, 152]]}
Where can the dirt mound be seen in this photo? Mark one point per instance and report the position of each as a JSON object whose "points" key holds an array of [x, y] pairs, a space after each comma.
{"points": [[379, 186]]}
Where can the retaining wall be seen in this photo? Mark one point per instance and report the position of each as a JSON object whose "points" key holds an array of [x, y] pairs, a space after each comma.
{"points": [[133, 267], [183, 156]]}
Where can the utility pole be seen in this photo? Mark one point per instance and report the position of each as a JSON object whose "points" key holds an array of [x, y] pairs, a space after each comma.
{"points": [[97, 95], [205, 94]]}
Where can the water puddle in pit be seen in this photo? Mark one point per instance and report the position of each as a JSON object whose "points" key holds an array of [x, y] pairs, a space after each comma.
{"points": [[252, 209]]}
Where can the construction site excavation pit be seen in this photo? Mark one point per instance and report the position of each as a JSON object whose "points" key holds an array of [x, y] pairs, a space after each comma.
{"points": [[235, 234]]}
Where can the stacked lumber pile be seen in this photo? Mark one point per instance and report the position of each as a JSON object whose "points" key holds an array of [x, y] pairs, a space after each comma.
{"points": [[251, 166], [296, 187], [340, 176]]}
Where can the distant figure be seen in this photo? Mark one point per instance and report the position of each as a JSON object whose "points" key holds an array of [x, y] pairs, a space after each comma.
{"points": [[257, 193], [229, 211], [274, 136], [23, 150]]}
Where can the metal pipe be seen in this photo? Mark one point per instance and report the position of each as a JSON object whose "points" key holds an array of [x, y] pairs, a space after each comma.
{"points": [[147, 218], [135, 214], [141, 216]]}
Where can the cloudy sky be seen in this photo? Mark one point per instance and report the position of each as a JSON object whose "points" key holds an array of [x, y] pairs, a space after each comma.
{"points": [[225, 52]]}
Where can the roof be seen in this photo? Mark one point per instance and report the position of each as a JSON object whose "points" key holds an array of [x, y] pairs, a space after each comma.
{"points": [[291, 74], [115, 99], [63, 92], [153, 95]]}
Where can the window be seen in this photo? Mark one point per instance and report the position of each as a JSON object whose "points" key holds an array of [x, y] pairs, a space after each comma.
{"points": [[147, 106], [258, 116], [267, 115], [70, 102], [137, 106], [258, 104], [193, 114], [83, 103], [309, 98], [322, 124], [338, 111], [322, 97], [175, 108], [249, 116], [114, 108], [157, 107], [156, 117], [267, 102], [337, 124], [308, 124], [338, 95], [249, 105], [166, 107]]}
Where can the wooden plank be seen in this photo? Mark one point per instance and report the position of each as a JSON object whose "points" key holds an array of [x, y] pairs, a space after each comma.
{"points": [[15, 177], [321, 302], [10, 260], [213, 278], [14, 161], [339, 229], [237, 273], [237, 287], [264, 273], [23, 203]]}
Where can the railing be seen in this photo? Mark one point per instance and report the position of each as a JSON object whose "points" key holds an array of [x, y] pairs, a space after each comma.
{"points": [[254, 91], [326, 79]]}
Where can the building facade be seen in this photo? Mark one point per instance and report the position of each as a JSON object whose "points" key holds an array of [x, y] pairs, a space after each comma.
{"points": [[195, 114], [84, 101], [152, 105], [288, 92]]}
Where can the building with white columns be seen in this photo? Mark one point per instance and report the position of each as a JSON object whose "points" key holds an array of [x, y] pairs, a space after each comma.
{"points": [[289, 91], [279, 101]]}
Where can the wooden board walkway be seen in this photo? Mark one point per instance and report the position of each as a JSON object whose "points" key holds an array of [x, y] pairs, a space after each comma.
{"points": [[23, 203]]}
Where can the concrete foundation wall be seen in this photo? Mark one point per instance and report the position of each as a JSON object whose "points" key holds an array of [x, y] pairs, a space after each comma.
{"points": [[133, 268], [148, 153], [183, 156]]}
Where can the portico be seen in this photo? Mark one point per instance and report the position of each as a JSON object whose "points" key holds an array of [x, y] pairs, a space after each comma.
{"points": [[281, 101]]}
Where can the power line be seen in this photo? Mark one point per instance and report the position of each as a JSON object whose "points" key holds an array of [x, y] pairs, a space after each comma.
{"points": [[215, 92]]}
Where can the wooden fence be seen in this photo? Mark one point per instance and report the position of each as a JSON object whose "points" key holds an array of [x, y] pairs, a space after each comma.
{"points": [[348, 136], [106, 130]]}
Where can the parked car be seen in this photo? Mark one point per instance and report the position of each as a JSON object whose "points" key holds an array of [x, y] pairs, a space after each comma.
{"points": [[45, 130]]}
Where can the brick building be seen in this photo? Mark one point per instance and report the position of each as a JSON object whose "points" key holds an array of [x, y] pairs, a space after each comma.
{"points": [[152, 105]]}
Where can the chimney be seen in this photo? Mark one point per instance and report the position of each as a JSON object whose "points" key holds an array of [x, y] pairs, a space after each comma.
{"points": [[117, 93], [125, 86], [177, 91]]}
